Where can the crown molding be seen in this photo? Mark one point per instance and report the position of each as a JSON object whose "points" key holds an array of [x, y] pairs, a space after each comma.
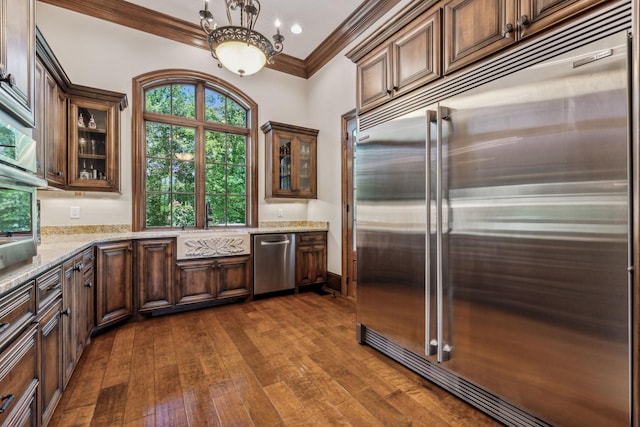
{"points": [[140, 18]]}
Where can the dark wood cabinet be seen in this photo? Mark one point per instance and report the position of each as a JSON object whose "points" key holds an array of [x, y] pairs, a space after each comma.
{"points": [[94, 149], [406, 61], [234, 278], [195, 281], [311, 258], [212, 279], [114, 297], [50, 373], [155, 260], [290, 154], [77, 128], [474, 29], [77, 309], [17, 58], [19, 380], [50, 131]]}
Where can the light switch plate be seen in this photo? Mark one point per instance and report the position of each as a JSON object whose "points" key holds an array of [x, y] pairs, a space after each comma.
{"points": [[74, 212]]}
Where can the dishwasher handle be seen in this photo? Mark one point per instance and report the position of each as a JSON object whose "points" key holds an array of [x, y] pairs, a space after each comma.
{"points": [[272, 243]]}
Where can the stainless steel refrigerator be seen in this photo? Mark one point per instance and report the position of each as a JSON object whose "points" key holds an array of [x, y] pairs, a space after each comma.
{"points": [[493, 238]]}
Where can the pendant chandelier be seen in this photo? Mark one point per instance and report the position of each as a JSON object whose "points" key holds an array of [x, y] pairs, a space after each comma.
{"points": [[239, 48]]}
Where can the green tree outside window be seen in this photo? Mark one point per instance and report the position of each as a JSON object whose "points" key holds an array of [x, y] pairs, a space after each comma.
{"points": [[173, 133]]}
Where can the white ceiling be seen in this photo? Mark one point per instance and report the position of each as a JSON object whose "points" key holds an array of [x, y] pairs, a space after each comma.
{"points": [[318, 19]]}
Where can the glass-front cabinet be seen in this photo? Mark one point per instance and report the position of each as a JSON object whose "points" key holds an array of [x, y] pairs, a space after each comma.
{"points": [[93, 145], [290, 161]]}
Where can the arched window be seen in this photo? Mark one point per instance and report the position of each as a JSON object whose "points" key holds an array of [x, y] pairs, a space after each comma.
{"points": [[194, 152]]}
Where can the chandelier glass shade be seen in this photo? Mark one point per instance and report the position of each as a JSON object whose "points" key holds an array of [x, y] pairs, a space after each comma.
{"points": [[239, 48]]}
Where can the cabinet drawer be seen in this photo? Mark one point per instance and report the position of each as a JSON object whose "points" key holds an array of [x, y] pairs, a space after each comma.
{"points": [[18, 378], [17, 310], [311, 238], [49, 287]]}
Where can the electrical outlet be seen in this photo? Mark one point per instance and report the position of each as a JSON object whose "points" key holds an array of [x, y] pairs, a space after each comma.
{"points": [[280, 213], [74, 212]]}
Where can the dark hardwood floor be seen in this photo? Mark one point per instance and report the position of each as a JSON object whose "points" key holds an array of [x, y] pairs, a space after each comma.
{"points": [[284, 361]]}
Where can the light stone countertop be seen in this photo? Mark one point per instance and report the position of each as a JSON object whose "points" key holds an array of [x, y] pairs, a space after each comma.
{"points": [[57, 248]]}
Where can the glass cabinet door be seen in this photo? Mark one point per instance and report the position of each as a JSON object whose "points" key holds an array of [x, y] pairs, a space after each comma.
{"points": [[92, 147], [284, 144], [291, 161], [304, 168]]}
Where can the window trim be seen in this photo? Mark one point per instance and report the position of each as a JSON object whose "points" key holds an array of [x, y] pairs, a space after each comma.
{"points": [[138, 145]]}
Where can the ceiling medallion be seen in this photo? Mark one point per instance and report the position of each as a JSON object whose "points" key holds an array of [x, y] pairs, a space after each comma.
{"points": [[239, 48]]}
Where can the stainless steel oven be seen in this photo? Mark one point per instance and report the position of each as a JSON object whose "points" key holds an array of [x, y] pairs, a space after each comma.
{"points": [[18, 204]]}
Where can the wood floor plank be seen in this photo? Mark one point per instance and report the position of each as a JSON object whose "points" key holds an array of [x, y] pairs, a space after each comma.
{"points": [[109, 410], [292, 411], [289, 360], [141, 402], [119, 365], [169, 401], [254, 399]]}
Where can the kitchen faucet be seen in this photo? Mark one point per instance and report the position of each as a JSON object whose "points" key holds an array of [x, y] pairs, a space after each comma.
{"points": [[207, 213]]}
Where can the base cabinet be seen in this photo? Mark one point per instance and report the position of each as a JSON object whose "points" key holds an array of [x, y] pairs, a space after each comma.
{"points": [[50, 336], [77, 309], [212, 279], [19, 381], [311, 258], [114, 295], [154, 273]]}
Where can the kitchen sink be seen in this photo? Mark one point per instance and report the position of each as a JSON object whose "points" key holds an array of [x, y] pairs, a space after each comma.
{"points": [[208, 244]]}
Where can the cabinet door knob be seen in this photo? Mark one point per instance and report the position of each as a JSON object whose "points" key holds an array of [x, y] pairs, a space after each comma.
{"points": [[66, 312], [88, 284], [59, 173], [7, 78], [389, 91], [508, 29], [523, 21]]}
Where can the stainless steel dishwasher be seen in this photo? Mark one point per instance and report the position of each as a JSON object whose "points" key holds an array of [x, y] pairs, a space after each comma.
{"points": [[273, 262]]}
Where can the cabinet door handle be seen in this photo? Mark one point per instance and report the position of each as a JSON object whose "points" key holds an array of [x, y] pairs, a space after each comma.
{"points": [[66, 312], [88, 284], [523, 21], [508, 29], [8, 78], [8, 398]]}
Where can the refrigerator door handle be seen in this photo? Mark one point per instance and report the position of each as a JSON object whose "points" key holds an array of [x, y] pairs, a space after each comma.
{"points": [[431, 342], [444, 349]]}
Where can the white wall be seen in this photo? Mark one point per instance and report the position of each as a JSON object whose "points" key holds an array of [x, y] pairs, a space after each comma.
{"points": [[100, 54]]}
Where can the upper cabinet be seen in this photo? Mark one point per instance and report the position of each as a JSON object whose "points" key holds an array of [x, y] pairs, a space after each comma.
{"points": [[290, 154], [93, 145], [408, 60], [474, 29], [77, 129], [17, 58], [405, 54]]}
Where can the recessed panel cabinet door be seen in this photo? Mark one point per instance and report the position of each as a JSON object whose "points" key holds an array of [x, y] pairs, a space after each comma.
{"points": [[476, 28], [416, 54], [154, 273], [195, 281], [17, 58], [374, 79], [536, 15], [114, 298], [234, 275]]}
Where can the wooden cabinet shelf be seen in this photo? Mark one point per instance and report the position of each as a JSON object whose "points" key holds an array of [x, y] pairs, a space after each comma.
{"points": [[290, 154]]}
